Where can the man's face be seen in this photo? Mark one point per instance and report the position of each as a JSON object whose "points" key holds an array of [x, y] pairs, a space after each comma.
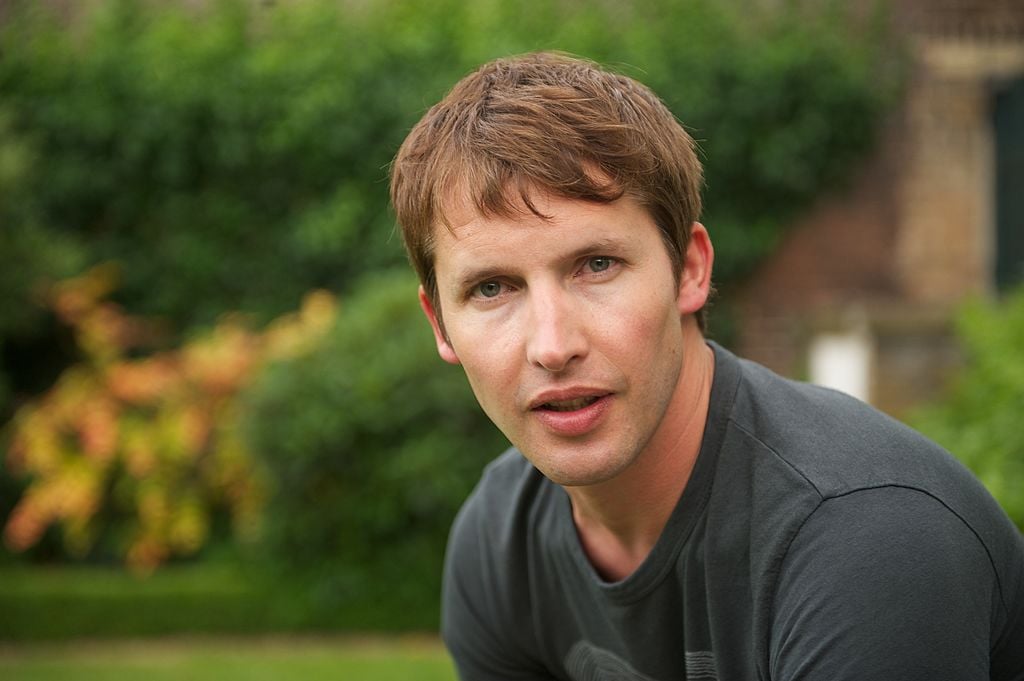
{"points": [[570, 330]]}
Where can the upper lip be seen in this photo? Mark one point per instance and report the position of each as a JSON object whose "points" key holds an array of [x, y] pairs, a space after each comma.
{"points": [[563, 395]]}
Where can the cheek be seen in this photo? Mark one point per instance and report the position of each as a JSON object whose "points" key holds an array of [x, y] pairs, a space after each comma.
{"points": [[490, 362], [650, 326], [495, 392]]}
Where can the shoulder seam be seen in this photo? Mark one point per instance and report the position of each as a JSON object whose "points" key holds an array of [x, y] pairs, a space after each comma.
{"points": [[746, 431], [867, 488], [823, 498], [776, 568], [963, 521]]}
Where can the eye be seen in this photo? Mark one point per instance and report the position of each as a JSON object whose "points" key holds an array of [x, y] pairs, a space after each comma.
{"points": [[488, 289], [599, 263]]}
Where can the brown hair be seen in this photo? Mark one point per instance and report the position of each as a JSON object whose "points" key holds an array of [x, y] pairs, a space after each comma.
{"points": [[551, 122]]}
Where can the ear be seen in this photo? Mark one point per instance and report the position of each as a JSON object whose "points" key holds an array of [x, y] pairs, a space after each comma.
{"points": [[444, 346], [695, 277]]}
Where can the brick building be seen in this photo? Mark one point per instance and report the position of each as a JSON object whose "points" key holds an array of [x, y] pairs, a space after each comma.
{"points": [[862, 292]]}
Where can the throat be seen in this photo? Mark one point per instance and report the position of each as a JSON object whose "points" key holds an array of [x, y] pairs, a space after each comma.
{"points": [[611, 557]]}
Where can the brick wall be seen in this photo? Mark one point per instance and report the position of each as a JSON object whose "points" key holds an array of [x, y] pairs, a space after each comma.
{"points": [[912, 236]]}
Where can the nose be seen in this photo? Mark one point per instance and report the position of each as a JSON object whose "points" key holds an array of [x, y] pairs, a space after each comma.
{"points": [[556, 334]]}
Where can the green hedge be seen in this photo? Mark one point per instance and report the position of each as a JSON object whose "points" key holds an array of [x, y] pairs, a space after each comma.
{"points": [[231, 160], [371, 443], [54, 603], [233, 155], [220, 596], [979, 419]]}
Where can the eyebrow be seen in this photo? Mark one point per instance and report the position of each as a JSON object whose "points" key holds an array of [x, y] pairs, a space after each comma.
{"points": [[476, 276]]}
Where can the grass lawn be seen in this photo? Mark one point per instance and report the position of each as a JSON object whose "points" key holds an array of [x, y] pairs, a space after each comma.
{"points": [[201, 622], [63, 603], [276, 658]]}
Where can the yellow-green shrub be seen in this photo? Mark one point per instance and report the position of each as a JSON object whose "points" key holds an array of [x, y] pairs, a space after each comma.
{"points": [[142, 451]]}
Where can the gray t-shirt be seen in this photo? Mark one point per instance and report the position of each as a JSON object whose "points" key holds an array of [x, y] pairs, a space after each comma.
{"points": [[815, 539]]}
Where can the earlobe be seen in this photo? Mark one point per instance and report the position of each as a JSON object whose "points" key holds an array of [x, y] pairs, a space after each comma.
{"points": [[444, 346], [695, 278]]}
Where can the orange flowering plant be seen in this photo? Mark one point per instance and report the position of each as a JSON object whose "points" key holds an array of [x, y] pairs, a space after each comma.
{"points": [[152, 439]]}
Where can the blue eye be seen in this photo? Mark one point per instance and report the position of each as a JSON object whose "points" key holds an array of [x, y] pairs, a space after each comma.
{"points": [[599, 264], [488, 289]]}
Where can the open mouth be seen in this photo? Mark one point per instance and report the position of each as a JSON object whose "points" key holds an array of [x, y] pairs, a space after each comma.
{"points": [[570, 405]]}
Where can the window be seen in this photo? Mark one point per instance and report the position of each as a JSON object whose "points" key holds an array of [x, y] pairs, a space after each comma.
{"points": [[842, 361]]}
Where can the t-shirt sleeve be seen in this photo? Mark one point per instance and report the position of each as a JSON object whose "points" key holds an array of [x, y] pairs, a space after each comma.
{"points": [[884, 583], [479, 627]]}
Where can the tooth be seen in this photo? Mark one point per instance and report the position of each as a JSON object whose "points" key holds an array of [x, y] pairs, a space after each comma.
{"points": [[571, 405]]}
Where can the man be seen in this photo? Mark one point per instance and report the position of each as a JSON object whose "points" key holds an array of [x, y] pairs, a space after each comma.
{"points": [[668, 511]]}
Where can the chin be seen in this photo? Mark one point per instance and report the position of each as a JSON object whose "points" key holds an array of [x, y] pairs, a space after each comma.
{"points": [[582, 475]]}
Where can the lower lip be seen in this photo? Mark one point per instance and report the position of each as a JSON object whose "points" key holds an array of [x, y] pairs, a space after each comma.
{"points": [[574, 423]]}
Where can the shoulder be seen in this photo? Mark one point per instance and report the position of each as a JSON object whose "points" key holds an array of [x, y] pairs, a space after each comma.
{"points": [[862, 520], [489, 524], [486, 608], [861, 569], [499, 505], [818, 445], [891, 570], [837, 444]]}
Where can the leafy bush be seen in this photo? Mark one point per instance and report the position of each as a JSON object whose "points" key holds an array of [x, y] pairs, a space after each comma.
{"points": [[980, 419], [238, 154], [229, 157], [135, 455], [765, 94], [233, 154], [372, 443]]}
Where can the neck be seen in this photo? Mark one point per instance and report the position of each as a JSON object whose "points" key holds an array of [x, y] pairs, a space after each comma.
{"points": [[620, 520]]}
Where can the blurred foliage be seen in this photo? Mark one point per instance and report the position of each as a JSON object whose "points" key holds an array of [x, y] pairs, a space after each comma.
{"points": [[233, 151], [979, 420], [233, 154], [372, 444], [765, 93], [139, 453]]}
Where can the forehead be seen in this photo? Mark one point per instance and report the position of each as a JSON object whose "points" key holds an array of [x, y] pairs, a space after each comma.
{"points": [[474, 191], [465, 222]]}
